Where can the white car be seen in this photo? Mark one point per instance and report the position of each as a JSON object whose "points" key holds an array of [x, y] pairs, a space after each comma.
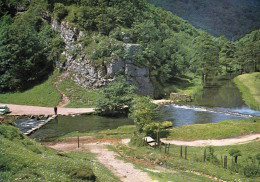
{"points": [[4, 109]]}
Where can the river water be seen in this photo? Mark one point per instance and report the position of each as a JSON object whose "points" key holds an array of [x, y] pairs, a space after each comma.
{"points": [[212, 105]]}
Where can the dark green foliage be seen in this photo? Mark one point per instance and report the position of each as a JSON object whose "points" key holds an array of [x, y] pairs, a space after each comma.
{"points": [[143, 112], [116, 97], [235, 153], [60, 11], [86, 174], [28, 51], [210, 156], [248, 52]]}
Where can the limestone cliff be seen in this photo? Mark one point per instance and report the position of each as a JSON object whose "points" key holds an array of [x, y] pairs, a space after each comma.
{"points": [[89, 75]]}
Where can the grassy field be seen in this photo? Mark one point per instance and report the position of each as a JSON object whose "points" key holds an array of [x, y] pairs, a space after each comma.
{"points": [[24, 159], [44, 94], [222, 129], [249, 85], [79, 97]]}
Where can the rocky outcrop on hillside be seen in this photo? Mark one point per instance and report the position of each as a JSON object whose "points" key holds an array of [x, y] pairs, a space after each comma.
{"points": [[88, 75]]}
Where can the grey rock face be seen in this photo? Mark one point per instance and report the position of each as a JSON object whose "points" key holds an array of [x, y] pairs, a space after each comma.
{"points": [[89, 75]]}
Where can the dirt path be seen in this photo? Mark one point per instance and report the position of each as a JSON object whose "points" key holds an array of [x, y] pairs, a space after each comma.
{"points": [[64, 99], [19, 110], [125, 171], [216, 142]]}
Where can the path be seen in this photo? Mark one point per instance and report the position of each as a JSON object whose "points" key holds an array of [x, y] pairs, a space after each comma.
{"points": [[125, 171], [216, 142], [19, 110], [64, 99]]}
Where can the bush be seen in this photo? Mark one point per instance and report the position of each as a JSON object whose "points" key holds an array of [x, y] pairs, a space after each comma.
{"points": [[116, 98], [60, 11], [152, 128], [211, 157], [143, 112], [138, 140]]}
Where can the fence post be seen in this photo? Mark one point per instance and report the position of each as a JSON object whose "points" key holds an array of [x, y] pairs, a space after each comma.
{"points": [[205, 154], [165, 148], [186, 152], [181, 152], [225, 162], [78, 141], [169, 148]]}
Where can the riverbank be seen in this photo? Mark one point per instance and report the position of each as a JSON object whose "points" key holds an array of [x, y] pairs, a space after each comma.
{"points": [[249, 85], [19, 110]]}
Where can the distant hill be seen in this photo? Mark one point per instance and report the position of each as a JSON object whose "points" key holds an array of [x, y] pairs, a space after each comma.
{"points": [[231, 18]]}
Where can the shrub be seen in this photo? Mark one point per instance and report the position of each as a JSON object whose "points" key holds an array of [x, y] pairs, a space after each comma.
{"points": [[60, 11], [143, 112]]}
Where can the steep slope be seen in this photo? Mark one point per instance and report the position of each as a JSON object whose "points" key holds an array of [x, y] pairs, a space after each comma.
{"points": [[231, 18]]}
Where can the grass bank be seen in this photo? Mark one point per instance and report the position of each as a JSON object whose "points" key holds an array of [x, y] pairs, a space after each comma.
{"points": [[24, 159], [120, 133], [79, 97], [222, 129], [249, 85], [44, 94]]}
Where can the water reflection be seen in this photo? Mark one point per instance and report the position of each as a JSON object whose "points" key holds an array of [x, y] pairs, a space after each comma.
{"points": [[227, 95], [63, 125]]}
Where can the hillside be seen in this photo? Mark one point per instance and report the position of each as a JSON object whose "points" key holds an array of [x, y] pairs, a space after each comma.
{"points": [[97, 41], [230, 18]]}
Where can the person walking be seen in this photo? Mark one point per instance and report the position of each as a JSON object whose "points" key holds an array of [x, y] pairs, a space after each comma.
{"points": [[55, 110]]}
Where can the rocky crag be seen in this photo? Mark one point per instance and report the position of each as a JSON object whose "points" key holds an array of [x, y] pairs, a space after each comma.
{"points": [[89, 75]]}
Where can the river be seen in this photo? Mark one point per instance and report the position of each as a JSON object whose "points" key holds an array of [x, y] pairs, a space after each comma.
{"points": [[211, 105]]}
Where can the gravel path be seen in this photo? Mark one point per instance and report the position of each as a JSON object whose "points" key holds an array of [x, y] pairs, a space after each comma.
{"points": [[125, 171], [36, 110], [216, 142]]}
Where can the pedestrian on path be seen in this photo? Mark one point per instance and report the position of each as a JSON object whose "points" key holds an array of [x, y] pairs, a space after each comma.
{"points": [[55, 110]]}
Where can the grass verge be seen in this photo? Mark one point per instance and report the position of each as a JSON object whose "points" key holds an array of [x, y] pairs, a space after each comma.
{"points": [[24, 159], [247, 169], [44, 94], [79, 97], [119, 133], [249, 85], [222, 129]]}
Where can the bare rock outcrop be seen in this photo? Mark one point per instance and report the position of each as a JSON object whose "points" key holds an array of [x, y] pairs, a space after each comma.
{"points": [[90, 75]]}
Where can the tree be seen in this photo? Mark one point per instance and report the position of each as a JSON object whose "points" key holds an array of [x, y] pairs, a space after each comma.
{"points": [[235, 153], [227, 56], [206, 57], [116, 97], [143, 112]]}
